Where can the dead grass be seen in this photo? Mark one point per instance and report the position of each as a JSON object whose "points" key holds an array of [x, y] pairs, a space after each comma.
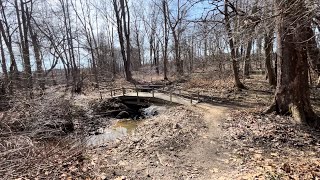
{"points": [[35, 140]]}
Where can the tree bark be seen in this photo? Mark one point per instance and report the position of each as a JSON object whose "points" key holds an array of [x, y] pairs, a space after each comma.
{"points": [[37, 54], [247, 61], [166, 40], [176, 33], [124, 30], [268, 46], [4, 65], [292, 94], [313, 52], [237, 81], [23, 32], [156, 57]]}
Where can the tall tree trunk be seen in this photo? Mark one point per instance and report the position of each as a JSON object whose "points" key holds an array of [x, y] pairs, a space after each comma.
{"points": [[268, 47], [166, 40], [179, 64], [259, 52], [156, 57], [126, 27], [176, 33], [247, 60], [23, 32], [192, 54], [4, 64], [139, 48], [77, 81], [124, 30], [235, 68], [37, 54], [292, 93], [151, 48], [6, 34], [114, 63], [313, 52]]}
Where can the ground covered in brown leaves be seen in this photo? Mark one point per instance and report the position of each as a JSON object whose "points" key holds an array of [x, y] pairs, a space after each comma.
{"points": [[223, 137], [273, 147], [159, 148]]}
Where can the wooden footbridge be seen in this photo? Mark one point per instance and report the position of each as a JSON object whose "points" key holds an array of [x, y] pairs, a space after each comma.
{"points": [[152, 94]]}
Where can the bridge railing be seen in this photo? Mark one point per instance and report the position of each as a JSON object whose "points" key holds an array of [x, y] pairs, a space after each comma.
{"points": [[192, 96]]}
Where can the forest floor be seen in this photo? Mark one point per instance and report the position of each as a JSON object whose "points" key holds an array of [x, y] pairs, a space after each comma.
{"points": [[223, 137]]}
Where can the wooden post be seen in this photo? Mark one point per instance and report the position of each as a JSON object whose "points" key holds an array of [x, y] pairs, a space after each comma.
{"points": [[111, 93], [138, 99], [171, 96], [123, 91], [191, 100], [152, 92], [198, 93], [100, 95]]}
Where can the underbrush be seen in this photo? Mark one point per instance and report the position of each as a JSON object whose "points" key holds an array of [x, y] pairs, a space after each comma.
{"points": [[36, 139], [211, 80]]}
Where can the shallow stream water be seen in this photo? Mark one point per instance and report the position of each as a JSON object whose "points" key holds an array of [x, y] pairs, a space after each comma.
{"points": [[121, 128]]}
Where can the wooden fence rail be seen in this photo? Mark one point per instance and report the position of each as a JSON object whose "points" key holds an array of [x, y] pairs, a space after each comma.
{"points": [[173, 91]]}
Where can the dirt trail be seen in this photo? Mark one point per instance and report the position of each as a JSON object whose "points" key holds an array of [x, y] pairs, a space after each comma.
{"points": [[209, 151], [182, 143], [213, 116]]}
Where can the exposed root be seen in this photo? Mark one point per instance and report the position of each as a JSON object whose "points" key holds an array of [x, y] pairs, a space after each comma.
{"points": [[318, 83], [297, 114], [270, 109], [241, 86]]}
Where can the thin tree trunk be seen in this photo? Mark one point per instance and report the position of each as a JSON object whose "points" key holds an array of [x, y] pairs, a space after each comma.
{"points": [[23, 32], [123, 30], [126, 27], [4, 66], [36, 49], [156, 57], [237, 81], [166, 39], [6, 34], [313, 52], [247, 60], [268, 46]]}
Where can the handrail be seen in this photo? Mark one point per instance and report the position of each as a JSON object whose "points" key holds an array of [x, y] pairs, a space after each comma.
{"points": [[190, 95]]}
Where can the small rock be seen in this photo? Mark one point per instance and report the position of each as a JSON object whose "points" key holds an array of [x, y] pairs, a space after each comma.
{"points": [[103, 176], [136, 140], [178, 126], [286, 168], [122, 115]]}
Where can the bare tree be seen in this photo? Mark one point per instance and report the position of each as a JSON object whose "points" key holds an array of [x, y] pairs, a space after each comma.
{"points": [[4, 64], [77, 81], [36, 49], [123, 25], [177, 28], [268, 47], [22, 14], [234, 54], [166, 39]]}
